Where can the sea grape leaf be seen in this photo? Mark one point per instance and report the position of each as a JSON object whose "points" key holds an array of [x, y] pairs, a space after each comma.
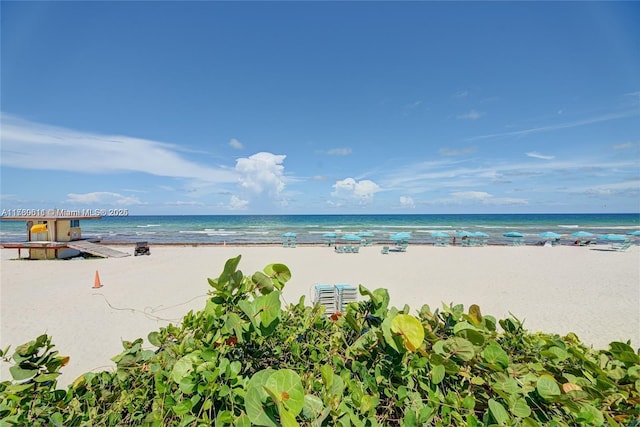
{"points": [[20, 374], [269, 308], [184, 366], [256, 397], [520, 408], [312, 408], [287, 386], [495, 355], [280, 274], [410, 329], [263, 282], [499, 414], [474, 314], [460, 348], [547, 388], [437, 374], [591, 415], [154, 338]]}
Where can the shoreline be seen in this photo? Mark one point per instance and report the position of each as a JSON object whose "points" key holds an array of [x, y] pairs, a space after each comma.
{"points": [[590, 291]]}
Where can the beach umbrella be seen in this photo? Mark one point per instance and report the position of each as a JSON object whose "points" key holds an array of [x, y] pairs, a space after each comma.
{"points": [[582, 234], [401, 236], [550, 235], [289, 235], [479, 234], [635, 233], [439, 234], [351, 237], [462, 234], [618, 237], [513, 234], [330, 235], [365, 234]]}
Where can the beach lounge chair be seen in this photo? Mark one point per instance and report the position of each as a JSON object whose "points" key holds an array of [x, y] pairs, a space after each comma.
{"points": [[384, 250], [344, 294], [620, 247], [325, 295]]}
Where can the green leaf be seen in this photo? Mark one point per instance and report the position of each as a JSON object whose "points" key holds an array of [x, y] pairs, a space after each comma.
{"points": [[269, 308], [499, 414], [279, 273], [184, 366], [286, 384], [154, 339], [520, 408], [312, 408], [20, 374], [437, 374], [263, 282], [590, 415], [548, 388], [460, 348], [287, 418], [495, 355], [410, 329], [474, 314]]}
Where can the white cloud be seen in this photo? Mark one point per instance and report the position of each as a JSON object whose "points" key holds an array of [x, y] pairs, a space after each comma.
{"points": [[349, 188], [626, 145], [29, 145], [537, 155], [407, 202], [461, 94], [525, 132], [184, 203], [471, 115], [102, 197], [262, 172], [234, 143], [345, 151], [486, 198], [238, 204]]}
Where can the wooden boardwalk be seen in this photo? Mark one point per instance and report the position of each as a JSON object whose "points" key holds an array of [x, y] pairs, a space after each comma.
{"points": [[95, 249]]}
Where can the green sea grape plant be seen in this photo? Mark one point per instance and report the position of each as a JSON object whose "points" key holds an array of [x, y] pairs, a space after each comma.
{"points": [[245, 360]]}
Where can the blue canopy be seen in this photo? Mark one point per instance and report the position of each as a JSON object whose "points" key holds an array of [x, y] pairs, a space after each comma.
{"points": [[462, 233], [352, 237], [635, 233], [550, 235], [513, 234], [365, 234], [613, 237], [479, 234], [582, 234], [289, 235], [330, 235], [439, 234], [401, 236]]}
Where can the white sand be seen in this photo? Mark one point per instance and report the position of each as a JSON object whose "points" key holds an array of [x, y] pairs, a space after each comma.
{"points": [[593, 293]]}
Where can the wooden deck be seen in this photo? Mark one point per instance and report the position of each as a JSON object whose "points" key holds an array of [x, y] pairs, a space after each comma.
{"points": [[95, 249], [87, 246]]}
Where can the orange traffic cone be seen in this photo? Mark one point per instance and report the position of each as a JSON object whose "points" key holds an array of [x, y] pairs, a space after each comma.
{"points": [[96, 282]]}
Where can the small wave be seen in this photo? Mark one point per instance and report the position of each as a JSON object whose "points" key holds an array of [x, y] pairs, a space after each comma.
{"points": [[148, 225], [568, 226]]}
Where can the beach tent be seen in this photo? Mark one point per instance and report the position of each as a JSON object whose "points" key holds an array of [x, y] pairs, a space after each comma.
{"points": [[516, 238], [289, 240], [441, 238], [613, 237]]}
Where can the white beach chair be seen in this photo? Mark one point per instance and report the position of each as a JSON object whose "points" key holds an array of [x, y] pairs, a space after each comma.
{"points": [[324, 294], [344, 294]]}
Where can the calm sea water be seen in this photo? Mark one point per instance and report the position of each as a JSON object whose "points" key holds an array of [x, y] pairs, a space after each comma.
{"points": [[264, 229]]}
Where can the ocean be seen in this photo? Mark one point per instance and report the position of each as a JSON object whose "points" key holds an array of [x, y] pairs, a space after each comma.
{"points": [[309, 229]]}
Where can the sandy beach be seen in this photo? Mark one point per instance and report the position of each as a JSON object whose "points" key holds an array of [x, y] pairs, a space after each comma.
{"points": [[592, 292]]}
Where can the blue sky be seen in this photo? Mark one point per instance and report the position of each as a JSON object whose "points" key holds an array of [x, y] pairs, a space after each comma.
{"points": [[321, 107]]}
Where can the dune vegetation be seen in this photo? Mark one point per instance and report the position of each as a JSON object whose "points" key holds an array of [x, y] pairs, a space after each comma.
{"points": [[245, 360]]}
